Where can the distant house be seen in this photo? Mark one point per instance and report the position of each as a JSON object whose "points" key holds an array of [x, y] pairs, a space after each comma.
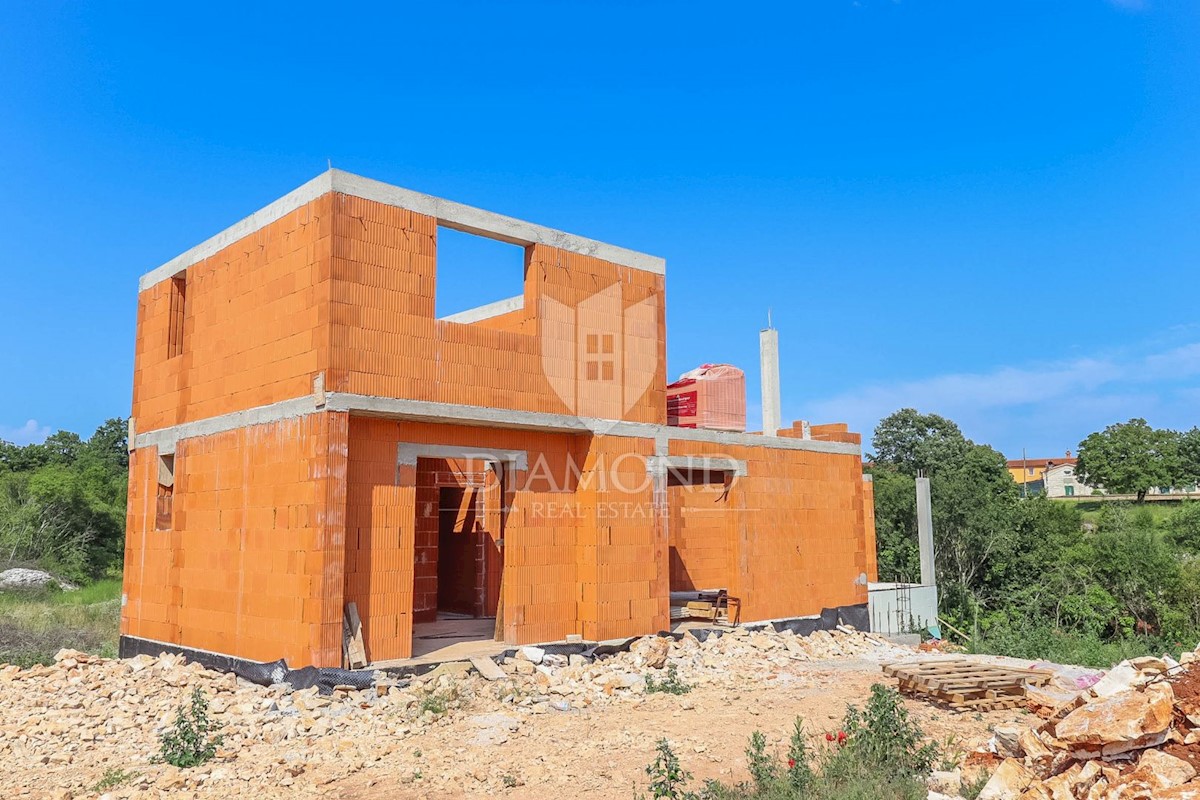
{"points": [[1030, 472], [1060, 480]]}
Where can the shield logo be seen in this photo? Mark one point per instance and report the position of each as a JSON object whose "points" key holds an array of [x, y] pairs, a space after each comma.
{"points": [[599, 356]]}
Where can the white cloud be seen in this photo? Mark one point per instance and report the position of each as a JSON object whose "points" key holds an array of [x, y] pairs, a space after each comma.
{"points": [[1045, 405], [29, 433]]}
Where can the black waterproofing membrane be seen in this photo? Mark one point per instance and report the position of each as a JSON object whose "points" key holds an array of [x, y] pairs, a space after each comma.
{"points": [[326, 678]]}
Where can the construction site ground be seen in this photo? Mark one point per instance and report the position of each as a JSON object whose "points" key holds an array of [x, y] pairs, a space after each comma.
{"points": [[576, 729], [604, 754]]}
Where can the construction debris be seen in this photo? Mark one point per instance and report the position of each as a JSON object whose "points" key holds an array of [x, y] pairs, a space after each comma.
{"points": [[1130, 736], [64, 726]]}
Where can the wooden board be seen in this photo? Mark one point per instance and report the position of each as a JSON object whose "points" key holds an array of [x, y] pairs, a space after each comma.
{"points": [[356, 650]]}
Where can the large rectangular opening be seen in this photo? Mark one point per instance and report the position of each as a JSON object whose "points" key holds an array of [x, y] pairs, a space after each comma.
{"points": [[460, 553], [477, 278], [458, 557], [699, 530]]}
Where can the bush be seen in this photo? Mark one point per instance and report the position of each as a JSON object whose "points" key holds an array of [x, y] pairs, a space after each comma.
{"points": [[190, 742], [435, 704], [671, 684], [667, 777], [879, 754]]}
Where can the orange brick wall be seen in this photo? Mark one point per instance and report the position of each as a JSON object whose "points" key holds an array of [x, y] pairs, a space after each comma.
{"points": [[387, 342], [622, 542], [256, 539], [540, 588], [255, 325], [700, 536], [797, 533]]}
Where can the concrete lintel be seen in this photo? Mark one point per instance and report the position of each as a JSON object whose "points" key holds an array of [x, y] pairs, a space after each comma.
{"points": [[483, 416], [453, 413], [408, 453], [661, 464], [165, 438], [448, 213], [490, 224], [486, 311]]}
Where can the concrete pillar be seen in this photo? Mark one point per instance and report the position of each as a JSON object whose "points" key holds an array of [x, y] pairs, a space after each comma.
{"points": [[768, 346], [925, 532]]}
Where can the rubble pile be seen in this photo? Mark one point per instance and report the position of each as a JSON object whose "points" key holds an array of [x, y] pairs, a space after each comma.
{"points": [[66, 725], [1133, 735]]}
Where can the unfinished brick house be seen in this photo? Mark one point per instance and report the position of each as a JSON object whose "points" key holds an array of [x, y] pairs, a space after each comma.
{"points": [[307, 433]]}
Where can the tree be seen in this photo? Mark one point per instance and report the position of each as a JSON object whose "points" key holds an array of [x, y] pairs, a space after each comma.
{"points": [[910, 441], [896, 526], [974, 504], [1189, 456], [63, 447], [1129, 458], [109, 445]]}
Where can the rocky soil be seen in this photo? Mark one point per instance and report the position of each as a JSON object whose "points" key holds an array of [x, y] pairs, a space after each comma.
{"points": [[1134, 735], [547, 724]]}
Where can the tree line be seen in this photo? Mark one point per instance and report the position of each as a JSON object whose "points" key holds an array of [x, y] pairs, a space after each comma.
{"points": [[1132, 457], [1034, 576], [62, 502]]}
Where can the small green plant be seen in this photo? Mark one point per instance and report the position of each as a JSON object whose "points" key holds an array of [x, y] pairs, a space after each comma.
{"points": [[762, 767], [190, 741], [799, 771], [667, 777], [509, 782], [950, 754], [971, 789], [112, 779], [435, 704], [671, 684]]}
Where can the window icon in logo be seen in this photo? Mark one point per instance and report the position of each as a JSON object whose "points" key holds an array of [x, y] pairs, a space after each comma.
{"points": [[599, 359]]}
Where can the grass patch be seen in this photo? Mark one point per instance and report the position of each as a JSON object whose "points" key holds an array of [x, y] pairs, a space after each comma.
{"points": [[1043, 643], [113, 779], [36, 625]]}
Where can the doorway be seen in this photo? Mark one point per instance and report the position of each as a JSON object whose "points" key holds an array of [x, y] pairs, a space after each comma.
{"points": [[460, 562]]}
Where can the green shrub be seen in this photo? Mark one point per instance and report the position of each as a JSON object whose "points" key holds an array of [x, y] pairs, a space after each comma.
{"points": [[879, 754], [435, 704], [671, 684], [190, 741], [667, 777]]}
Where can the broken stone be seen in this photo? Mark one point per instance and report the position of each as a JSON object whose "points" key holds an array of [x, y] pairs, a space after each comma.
{"points": [[1162, 771], [533, 655], [651, 651], [489, 669], [1119, 723], [1009, 780]]}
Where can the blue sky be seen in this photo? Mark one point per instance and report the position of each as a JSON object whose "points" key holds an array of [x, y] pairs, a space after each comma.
{"points": [[985, 210]]}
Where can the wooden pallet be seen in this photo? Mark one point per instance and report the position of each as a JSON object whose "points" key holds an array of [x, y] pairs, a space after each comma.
{"points": [[966, 685]]}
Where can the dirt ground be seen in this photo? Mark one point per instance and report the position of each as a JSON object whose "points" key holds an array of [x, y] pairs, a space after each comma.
{"points": [[604, 752]]}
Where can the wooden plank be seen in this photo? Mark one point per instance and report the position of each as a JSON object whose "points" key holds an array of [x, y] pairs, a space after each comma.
{"points": [[356, 650]]}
